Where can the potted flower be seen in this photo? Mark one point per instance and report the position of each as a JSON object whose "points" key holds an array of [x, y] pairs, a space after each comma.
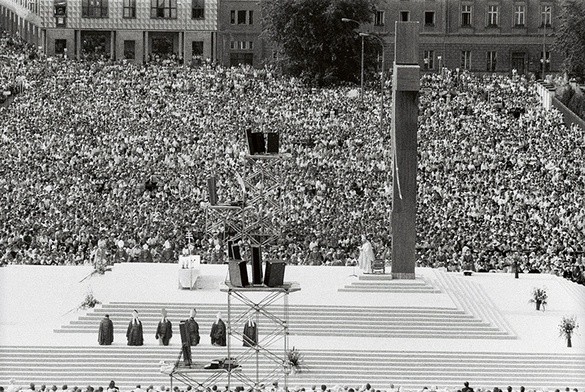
{"points": [[89, 302], [295, 360], [566, 328], [539, 297]]}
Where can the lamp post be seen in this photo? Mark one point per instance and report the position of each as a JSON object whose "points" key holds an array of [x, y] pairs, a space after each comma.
{"points": [[543, 59], [381, 41], [346, 20]]}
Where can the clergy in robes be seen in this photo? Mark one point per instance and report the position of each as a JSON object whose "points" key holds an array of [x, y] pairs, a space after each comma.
{"points": [[366, 257], [192, 329], [134, 332], [164, 330], [250, 334], [106, 331], [217, 334]]}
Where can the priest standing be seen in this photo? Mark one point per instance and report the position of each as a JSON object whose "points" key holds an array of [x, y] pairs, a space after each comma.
{"points": [[366, 257], [134, 332], [106, 331], [218, 337], [164, 330]]}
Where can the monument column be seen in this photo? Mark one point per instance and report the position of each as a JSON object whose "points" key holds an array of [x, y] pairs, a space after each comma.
{"points": [[405, 87]]}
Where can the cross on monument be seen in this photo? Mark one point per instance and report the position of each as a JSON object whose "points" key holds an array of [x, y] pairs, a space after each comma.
{"points": [[405, 88]]}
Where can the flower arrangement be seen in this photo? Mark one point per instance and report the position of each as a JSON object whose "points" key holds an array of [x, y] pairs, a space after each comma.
{"points": [[566, 328], [89, 302], [295, 359], [539, 297]]}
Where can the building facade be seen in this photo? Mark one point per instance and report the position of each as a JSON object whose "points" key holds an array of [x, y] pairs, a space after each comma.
{"points": [[136, 30], [479, 35], [240, 28]]}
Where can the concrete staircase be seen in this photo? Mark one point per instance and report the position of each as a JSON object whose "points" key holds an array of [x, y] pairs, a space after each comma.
{"points": [[378, 283], [309, 320], [130, 366]]}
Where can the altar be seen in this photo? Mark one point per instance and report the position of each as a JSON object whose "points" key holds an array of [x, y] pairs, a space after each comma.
{"points": [[189, 267]]}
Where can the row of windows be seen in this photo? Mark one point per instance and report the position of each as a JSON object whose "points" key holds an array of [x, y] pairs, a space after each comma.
{"points": [[465, 63], [242, 45], [242, 17], [492, 16], [165, 9]]}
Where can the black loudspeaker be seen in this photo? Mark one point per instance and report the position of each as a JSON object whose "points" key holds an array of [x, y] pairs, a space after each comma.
{"points": [[256, 265], [238, 273], [273, 143], [229, 248], [186, 345], [274, 275], [212, 190], [255, 142], [236, 252]]}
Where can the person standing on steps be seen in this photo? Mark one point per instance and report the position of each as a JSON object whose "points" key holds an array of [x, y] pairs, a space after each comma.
{"points": [[218, 332], [134, 333], [106, 331], [366, 257], [192, 328], [164, 330]]}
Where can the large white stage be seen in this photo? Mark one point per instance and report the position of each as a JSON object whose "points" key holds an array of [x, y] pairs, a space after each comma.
{"points": [[38, 308]]}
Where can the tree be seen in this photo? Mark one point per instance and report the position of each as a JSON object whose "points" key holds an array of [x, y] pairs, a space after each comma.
{"points": [[317, 45], [570, 37]]}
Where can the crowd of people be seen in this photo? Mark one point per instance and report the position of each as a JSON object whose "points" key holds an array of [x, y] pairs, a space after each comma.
{"points": [[120, 153], [274, 387]]}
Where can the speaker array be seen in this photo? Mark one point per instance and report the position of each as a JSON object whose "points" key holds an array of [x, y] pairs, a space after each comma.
{"points": [[273, 275], [258, 144]]}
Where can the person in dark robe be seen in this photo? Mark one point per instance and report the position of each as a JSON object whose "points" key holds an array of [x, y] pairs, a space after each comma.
{"points": [[250, 334], [164, 331], [106, 331], [192, 329], [218, 330], [134, 332]]}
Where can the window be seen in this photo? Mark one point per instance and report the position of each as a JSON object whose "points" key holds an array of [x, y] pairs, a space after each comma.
{"points": [[129, 9], [379, 18], [60, 46], [545, 15], [429, 18], [198, 9], [166, 9], [404, 16], [94, 8], [466, 15], [429, 59], [519, 15], [241, 45], [129, 49], [241, 58], [242, 17], [492, 16], [466, 59], [197, 48], [491, 61], [546, 61]]}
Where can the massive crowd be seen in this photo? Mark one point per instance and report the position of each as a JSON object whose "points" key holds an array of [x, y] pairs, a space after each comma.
{"points": [[121, 153]]}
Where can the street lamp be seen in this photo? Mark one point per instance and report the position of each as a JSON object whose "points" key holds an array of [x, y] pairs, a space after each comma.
{"points": [[347, 20], [381, 41]]}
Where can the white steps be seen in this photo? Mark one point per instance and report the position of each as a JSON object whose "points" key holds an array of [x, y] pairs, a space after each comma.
{"points": [[128, 366], [307, 320]]}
